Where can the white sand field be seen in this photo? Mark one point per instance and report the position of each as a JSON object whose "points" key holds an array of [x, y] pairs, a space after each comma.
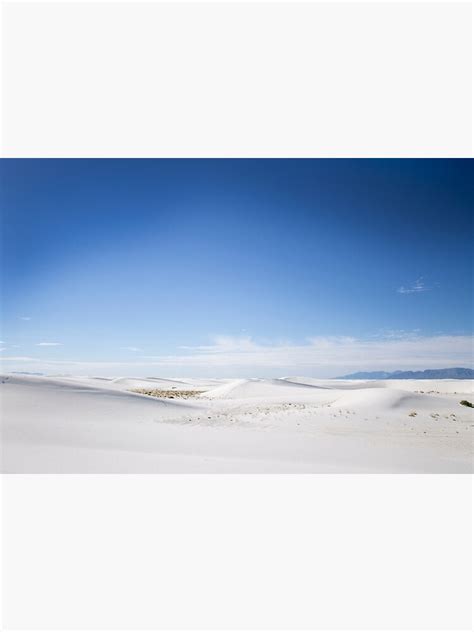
{"points": [[84, 425]]}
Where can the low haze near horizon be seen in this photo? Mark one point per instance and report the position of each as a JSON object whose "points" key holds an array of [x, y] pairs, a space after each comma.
{"points": [[236, 268]]}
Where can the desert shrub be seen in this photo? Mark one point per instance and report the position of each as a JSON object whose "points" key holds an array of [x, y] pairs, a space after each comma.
{"points": [[156, 392], [464, 402]]}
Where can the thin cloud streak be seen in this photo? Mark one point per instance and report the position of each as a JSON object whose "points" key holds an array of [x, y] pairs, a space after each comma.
{"points": [[320, 352], [414, 288], [319, 356]]}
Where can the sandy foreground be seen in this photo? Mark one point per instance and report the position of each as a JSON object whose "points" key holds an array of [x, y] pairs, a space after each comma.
{"points": [[86, 425]]}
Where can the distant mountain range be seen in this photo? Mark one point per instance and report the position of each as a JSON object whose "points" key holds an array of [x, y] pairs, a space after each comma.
{"points": [[430, 374]]}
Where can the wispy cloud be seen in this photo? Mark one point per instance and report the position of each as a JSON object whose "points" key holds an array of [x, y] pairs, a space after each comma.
{"points": [[25, 317], [400, 350], [229, 356], [49, 344], [417, 286], [131, 349]]}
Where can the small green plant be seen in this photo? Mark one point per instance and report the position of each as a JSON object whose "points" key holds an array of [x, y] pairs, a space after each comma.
{"points": [[464, 402]]}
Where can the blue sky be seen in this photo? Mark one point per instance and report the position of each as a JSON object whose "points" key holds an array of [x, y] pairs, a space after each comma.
{"points": [[236, 267]]}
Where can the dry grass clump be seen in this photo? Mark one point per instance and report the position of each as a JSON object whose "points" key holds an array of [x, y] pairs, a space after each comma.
{"points": [[158, 392]]}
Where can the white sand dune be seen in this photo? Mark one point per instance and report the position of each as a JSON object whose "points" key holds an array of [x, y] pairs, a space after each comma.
{"points": [[238, 389], [90, 424], [385, 399], [128, 383], [425, 386]]}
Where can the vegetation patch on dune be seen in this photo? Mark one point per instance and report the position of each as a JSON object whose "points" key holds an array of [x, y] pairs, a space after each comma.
{"points": [[174, 394]]}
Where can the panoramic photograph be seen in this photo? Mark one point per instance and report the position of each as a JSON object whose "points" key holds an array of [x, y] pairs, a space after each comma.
{"points": [[237, 316]]}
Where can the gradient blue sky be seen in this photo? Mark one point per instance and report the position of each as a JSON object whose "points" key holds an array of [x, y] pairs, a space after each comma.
{"points": [[236, 267]]}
